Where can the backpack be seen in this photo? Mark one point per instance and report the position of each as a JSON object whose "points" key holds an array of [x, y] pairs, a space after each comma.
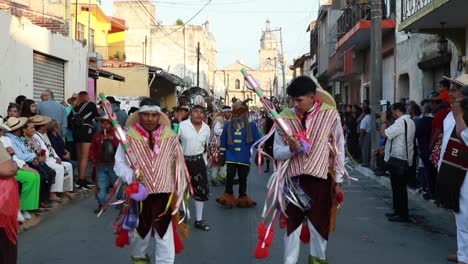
{"points": [[77, 120], [108, 150]]}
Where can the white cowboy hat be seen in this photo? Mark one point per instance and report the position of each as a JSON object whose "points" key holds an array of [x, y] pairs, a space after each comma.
{"points": [[39, 120], [461, 80], [3, 126], [15, 123]]}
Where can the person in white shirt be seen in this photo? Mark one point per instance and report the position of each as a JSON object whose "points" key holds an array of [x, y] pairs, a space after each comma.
{"points": [[400, 137], [194, 135], [64, 170], [365, 137]]}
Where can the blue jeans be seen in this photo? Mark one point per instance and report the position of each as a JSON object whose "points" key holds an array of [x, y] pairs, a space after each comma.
{"points": [[106, 176]]}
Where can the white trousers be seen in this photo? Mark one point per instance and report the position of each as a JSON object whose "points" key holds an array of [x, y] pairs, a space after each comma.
{"points": [[165, 250], [63, 176], [318, 244], [461, 219]]}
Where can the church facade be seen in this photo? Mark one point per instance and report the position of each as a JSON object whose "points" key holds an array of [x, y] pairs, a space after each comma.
{"points": [[231, 79]]}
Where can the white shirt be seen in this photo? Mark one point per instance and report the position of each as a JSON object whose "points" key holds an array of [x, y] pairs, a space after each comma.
{"points": [[193, 142], [45, 144], [396, 138], [218, 128], [366, 123], [281, 149]]}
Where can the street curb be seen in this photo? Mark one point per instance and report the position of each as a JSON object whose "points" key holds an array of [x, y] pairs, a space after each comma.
{"points": [[37, 219], [413, 194]]}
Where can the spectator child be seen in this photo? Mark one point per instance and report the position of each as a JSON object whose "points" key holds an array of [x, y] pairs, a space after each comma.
{"points": [[102, 152]]}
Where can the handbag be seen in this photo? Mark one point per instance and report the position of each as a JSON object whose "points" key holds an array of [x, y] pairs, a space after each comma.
{"points": [[396, 165], [46, 172]]}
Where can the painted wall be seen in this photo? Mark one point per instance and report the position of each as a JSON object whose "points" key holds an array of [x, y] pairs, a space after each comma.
{"points": [[136, 82], [19, 38]]}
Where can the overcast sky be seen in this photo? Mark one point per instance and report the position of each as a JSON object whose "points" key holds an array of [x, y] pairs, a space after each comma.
{"points": [[237, 24]]}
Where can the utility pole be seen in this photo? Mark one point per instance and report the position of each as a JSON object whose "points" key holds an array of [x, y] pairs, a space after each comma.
{"points": [[185, 70], [198, 64], [146, 47], [282, 65], [376, 71], [76, 19]]}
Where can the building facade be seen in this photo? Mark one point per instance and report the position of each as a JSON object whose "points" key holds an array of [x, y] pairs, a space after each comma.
{"points": [[173, 48], [268, 74], [36, 58]]}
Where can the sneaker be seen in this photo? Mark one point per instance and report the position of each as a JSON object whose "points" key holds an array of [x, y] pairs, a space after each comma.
{"points": [[27, 215], [21, 217], [90, 184], [84, 186], [202, 225]]}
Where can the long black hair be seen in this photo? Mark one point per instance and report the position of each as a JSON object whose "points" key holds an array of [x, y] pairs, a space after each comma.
{"points": [[26, 110]]}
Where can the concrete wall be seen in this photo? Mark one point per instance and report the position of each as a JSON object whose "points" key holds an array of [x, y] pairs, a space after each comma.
{"points": [[18, 40], [136, 82]]}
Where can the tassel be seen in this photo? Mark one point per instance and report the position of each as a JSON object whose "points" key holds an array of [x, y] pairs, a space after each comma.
{"points": [[261, 231], [178, 245], [270, 237], [340, 198], [261, 252], [305, 233], [122, 238], [283, 221], [132, 188]]}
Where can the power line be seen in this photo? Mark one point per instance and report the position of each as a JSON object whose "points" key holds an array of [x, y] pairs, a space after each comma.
{"points": [[196, 14], [151, 16]]}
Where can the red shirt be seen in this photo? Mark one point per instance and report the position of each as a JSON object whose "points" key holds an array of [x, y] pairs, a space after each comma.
{"points": [[438, 121], [96, 149]]}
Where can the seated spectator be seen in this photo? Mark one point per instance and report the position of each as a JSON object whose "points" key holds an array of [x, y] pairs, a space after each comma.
{"points": [[53, 133], [25, 151], [29, 108], [28, 177], [64, 170]]}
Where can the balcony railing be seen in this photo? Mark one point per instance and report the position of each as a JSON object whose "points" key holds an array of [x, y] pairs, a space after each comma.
{"points": [[410, 7], [357, 12]]}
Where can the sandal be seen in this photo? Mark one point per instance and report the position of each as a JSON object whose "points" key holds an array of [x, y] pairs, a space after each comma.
{"points": [[202, 225]]}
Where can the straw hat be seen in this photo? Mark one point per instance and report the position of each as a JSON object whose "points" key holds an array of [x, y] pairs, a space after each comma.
{"points": [[325, 97], [3, 126], [39, 120], [461, 80], [15, 123]]}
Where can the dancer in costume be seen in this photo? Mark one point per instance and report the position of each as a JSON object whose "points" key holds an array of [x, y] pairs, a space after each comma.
{"points": [[217, 170], [239, 134], [194, 135], [309, 175], [161, 179]]}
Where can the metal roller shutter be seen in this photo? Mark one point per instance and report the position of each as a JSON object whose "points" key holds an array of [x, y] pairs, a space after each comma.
{"points": [[48, 73]]}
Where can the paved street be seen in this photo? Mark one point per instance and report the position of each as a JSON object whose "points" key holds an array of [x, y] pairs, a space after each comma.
{"points": [[363, 235]]}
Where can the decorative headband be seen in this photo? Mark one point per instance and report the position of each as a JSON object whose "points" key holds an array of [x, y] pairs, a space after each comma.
{"points": [[149, 108], [226, 110]]}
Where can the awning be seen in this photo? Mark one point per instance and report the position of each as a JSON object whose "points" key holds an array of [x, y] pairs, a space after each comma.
{"points": [[95, 73]]}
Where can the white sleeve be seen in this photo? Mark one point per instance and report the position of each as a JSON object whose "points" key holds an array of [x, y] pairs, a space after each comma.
{"points": [[281, 148], [19, 163], [218, 129], [122, 167], [395, 129], [464, 135], [340, 145]]}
